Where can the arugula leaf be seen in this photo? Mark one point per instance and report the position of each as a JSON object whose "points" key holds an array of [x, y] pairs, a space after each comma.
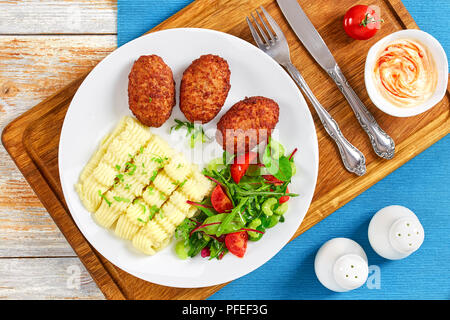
{"points": [[183, 230], [216, 249], [196, 245], [227, 222]]}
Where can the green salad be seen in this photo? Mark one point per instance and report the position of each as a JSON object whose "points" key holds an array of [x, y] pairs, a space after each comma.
{"points": [[251, 196]]}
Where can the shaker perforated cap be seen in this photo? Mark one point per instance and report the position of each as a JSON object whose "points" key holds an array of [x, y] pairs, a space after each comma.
{"points": [[350, 271], [406, 235], [341, 265], [395, 232]]}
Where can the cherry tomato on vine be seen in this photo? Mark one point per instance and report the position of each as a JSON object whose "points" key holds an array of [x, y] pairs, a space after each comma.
{"points": [[361, 22]]}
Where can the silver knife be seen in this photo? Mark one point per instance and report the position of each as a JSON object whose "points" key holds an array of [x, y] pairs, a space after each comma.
{"points": [[382, 143]]}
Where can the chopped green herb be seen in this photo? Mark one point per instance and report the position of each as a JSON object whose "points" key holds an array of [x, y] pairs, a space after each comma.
{"points": [[141, 150], [154, 174], [150, 99], [120, 199], [143, 165], [161, 214], [117, 167], [131, 166], [179, 184], [162, 195], [104, 198], [182, 184], [140, 220], [159, 159], [194, 131], [120, 177], [153, 210], [150, 190], [179, 166], [127, 187]]}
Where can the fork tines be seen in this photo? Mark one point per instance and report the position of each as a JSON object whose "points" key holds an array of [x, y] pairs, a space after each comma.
{"points": [[264, 31]]}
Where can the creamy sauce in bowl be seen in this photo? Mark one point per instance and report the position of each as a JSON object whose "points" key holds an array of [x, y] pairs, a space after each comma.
{"points": [[405, 73]]}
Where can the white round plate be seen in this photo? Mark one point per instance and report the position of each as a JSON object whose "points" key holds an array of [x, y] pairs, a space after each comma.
{"points": [[102, 100]]}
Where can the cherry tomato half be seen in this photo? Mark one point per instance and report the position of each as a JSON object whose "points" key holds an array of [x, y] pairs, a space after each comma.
{"points": [[220, 201], [241, 164], [272, 179], [277, 182], [361, 22], [284, 199], [236, 242]]}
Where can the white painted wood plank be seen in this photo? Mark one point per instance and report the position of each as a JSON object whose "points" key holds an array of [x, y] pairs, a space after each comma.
{"points": [[30, 232], [58, 17], [31, 69], [43, 278], [34, 67]]}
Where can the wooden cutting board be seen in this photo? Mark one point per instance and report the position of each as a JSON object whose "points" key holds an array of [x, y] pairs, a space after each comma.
{"points": [[32, 139]]}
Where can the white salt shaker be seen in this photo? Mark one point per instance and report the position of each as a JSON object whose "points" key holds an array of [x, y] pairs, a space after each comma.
{"points": [[341, 265], [395, 232]]}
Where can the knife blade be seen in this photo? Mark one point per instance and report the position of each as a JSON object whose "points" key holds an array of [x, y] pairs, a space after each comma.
{"points": [[307, 33], [382, 143]]}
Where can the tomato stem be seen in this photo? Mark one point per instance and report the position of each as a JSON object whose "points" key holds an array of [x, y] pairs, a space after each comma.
{"points": [[368, 19]]}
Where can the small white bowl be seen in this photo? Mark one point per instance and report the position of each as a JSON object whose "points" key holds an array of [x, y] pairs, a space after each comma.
{"points": [[440, 59]]}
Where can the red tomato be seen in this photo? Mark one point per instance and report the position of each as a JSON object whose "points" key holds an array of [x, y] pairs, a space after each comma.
{"points": [[284, 199], [240, 165], [277, 182], [220, 201], [236, 242], [361, 22], [272, 179]]}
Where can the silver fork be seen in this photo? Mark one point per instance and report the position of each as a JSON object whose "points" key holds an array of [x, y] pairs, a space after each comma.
{"points": [[277, 47]]}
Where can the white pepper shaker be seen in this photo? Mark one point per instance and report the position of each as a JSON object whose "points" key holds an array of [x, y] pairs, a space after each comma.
{"points": [[341, 265], [395, 232]]}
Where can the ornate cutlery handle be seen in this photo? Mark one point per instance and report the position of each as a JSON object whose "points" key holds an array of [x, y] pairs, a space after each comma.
{"points": [[382, 143], [354, 161]]}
